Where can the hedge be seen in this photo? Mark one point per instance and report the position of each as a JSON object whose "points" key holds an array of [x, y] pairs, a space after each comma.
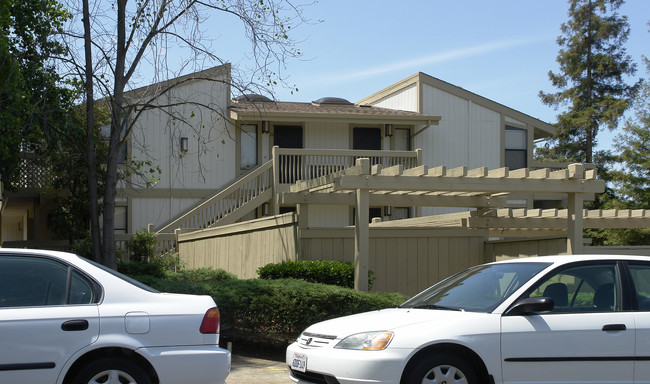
{"points": [[274, 312], [339, 273]]}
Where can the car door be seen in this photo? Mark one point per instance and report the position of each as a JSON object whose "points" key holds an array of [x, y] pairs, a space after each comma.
{"points": [[640, 276], [585, 338], [48, 311]]}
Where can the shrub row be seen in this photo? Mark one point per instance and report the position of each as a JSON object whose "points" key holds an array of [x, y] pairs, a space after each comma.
{"points": [[271, 312], [340, 273]]}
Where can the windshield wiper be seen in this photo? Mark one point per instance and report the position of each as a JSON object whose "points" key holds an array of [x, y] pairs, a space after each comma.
{"points": [[435, 306]]}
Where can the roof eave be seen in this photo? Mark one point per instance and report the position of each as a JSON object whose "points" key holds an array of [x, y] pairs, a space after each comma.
{"points": [[541, 128], [340, 118]]}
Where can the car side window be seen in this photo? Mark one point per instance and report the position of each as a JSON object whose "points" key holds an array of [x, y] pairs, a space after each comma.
{"points": [[641, 278], [35, 281], [585, 288], [81, 289]]}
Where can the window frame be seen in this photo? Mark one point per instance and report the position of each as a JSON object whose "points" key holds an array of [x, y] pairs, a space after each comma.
{"points": [[512, 150]]}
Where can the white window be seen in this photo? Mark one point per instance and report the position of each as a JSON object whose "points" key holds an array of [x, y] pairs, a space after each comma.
{"points": [[402, 139], [516, 148], [120, 224], [248, 146]]}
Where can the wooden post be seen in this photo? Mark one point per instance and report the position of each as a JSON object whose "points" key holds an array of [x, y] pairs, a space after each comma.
{"points": [[575, 224], [276, 180], [362, 233]]}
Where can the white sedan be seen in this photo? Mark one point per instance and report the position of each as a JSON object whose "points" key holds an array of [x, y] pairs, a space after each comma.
{"points": [[556, 319], [66, 320]]}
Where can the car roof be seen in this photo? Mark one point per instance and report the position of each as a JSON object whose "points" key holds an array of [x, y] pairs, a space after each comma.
{"points": [[565, 259], [67, 256]]}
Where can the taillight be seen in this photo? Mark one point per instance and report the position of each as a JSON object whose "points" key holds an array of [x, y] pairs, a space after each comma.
{"points": [[211, 321]]}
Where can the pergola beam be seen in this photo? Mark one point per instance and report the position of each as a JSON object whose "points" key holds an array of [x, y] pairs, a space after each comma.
{"points": [[394, 200], [485, 185]]}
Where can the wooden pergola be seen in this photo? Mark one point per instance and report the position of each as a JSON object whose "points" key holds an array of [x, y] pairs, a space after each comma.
{"points": [[528, 223], [365, 184]]}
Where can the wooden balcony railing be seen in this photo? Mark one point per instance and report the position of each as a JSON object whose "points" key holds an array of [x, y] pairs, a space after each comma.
{"points": [[307, 164]]}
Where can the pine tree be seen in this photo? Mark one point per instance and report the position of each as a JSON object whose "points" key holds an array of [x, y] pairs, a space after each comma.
{"points": [[632, 178], [628, 172], [591, 78]]}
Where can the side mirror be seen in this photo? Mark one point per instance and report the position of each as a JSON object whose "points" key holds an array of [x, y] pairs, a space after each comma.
{"points": [[531, 305]]}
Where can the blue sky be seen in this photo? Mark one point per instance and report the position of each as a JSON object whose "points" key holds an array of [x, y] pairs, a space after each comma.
{"points": [[499, 49]]}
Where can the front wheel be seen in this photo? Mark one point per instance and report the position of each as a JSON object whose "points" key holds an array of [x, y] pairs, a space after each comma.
{"points": [[112, 370], [441, 369]]}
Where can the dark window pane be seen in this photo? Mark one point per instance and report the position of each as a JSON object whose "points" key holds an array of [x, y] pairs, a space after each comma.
{"points": [[81, 290], [366, 138], [31, 281], [515, 159], [641, 278], [287, 136]]}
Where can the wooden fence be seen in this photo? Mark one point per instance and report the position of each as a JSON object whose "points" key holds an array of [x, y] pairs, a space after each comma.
{"points": [[403, 260]]}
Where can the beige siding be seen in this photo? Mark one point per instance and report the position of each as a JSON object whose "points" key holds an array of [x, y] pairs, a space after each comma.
{"points": [[209, 163], [329, 216], [405, 99], [327, 135], [162, 208], [468, 134], [484, 138]]}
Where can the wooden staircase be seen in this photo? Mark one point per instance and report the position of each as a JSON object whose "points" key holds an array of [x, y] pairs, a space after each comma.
{"points": [[267, 182], [229, 205]]}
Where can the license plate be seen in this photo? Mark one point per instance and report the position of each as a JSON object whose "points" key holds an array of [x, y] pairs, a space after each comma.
{"points": [[299, 362]]}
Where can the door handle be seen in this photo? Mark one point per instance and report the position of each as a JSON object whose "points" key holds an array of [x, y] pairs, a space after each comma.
{"points": [[75, 325], [614, 327]]}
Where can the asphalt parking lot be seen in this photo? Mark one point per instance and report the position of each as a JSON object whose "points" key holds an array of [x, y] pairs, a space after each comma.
{"points": [[246, 370]]}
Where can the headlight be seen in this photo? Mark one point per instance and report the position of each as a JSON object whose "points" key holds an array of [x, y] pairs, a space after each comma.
{"points": [[367, 341]]}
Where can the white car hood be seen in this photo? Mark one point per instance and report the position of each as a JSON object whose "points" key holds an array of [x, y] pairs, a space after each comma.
{"points": [[390, 320]]}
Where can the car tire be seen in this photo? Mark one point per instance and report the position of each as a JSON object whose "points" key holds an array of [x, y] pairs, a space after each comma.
{"points": [[111, 370], [441, 368]]}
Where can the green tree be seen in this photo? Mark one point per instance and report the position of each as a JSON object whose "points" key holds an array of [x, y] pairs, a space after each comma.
{"points": [[631, 179], [67, 164], [33, 100], [591, 82], [628, 173]]}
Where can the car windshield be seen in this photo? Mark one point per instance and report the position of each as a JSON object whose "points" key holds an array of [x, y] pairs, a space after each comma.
{"points": [[477, 289]]}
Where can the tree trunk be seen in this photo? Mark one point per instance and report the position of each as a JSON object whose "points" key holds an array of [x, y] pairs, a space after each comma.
{"points": [[119, 119], [90, 138]]}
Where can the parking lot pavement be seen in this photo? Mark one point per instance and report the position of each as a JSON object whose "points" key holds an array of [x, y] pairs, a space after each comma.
{"points": [[247, 370]]}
